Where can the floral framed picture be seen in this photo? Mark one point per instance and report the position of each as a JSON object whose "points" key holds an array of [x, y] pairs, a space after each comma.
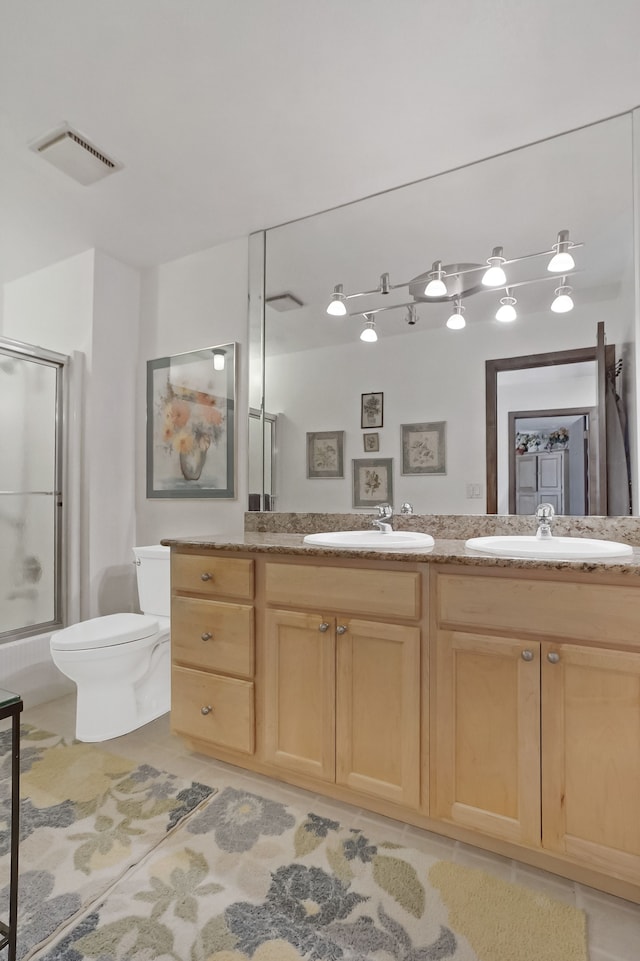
{"points": [[371, 442], [325, 453], [371, 410], [191, 424], [372, 481], [424, 448]]}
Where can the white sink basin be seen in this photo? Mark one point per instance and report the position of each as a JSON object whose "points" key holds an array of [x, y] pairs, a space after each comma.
{"points": [[553, 548], [372, 540]]}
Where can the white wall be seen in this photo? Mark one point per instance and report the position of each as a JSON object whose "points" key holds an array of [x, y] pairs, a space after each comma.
{"points": [[195, 302]]}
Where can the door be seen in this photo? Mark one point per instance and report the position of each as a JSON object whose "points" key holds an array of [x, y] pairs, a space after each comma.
{"points": [[31, 524], [591, 756], [378, 709], [486, 763], [300, 692]]}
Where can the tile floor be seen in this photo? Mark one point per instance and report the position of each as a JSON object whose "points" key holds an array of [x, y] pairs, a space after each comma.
{"points": [[613, 924]]}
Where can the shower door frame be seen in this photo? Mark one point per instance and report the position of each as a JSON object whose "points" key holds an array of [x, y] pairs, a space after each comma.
{"points": [[49, 358]]}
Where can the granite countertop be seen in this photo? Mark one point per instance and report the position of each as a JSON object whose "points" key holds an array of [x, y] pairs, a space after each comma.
{"points": [[444, 551]]}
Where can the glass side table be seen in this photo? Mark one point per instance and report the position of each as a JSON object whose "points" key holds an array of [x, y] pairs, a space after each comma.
{"points": [[11, 706]]}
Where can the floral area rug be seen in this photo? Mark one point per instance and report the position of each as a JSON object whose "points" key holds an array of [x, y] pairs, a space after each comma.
{"points": [[86, 817], [251, 878]]}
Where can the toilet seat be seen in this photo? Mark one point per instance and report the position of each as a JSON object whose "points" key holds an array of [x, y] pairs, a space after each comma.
{"points": [[101, 632]]}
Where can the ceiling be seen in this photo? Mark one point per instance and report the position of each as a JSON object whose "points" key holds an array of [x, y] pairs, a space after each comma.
{"points": [[229, 116]]}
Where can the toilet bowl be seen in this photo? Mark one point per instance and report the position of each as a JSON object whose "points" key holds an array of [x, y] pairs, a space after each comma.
{"points": [[121, 663]]}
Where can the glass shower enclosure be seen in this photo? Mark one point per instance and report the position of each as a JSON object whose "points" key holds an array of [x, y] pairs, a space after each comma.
{"points": [[32, 391]]}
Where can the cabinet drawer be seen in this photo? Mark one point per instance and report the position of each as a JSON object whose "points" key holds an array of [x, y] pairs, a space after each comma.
{"points": [[209, 574], [580, 611], [344, 589], [212, 635], [230, 722]]}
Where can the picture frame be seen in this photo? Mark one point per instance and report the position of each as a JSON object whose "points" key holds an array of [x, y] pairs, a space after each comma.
{"points": [[191, 424], [424, 448], [371, 442], [325, 453], [371, 409], [372, 481]]}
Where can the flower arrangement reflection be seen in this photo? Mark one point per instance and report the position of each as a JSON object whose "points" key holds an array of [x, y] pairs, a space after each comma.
{"points": [[192, 422]]}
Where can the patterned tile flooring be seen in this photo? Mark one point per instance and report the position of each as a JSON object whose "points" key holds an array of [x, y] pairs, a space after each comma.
{"points": [[613, 924]]}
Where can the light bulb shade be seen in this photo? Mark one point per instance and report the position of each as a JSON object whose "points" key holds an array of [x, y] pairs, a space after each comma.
{"points": [[456, 321], [563, 302], [218, 360], [337, 305], [562, 261], [495, 275], [507, 311], [369, 334], [435, 288]]}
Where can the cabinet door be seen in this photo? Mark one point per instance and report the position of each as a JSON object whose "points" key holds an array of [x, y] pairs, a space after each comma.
{"points": [[378, 709], [486, 763], [299, 701], [591, 756]]}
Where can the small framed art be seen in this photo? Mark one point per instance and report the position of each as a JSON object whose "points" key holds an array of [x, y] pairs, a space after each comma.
{"points": [[371, 410], [325, 453], [424, 448], [372, 481], [371, 442]]}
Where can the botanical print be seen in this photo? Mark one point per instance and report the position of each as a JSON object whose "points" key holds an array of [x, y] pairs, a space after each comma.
{"points": [[371, 410], [372, 482], [371, 442], [423, 448], [190, 426], [528, 443], [325, 454]]}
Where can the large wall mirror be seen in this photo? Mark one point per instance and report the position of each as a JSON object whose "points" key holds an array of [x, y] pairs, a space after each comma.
{"points": [[310, 369]]}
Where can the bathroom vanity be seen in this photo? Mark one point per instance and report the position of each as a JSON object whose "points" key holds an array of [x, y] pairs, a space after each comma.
{"points": [[493, 700]]}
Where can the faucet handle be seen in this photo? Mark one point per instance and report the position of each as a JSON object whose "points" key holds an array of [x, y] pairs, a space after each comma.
{"points": [[385, 511], [406, 508], [545, 513]]}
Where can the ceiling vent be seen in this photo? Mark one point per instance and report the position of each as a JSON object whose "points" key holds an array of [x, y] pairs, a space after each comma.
{"points": [[75, 156], [282, 302]]}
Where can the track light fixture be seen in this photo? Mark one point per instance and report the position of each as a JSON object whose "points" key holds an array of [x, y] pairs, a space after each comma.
{"points": [[562, 261], [495, 275], [563, 301], [506, 312], [337, 305], [436, 286], [456, 321], [369, 330], [452, 283]]}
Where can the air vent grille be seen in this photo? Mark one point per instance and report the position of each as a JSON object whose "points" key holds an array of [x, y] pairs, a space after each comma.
{"points": [[81, 143], [75, 155]]}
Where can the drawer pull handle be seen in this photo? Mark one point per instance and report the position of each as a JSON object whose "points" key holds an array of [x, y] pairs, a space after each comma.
{"points": [[206, 710], [341, 629], [324, 627], [206, 577], [553, 658], [206, 636], [527, 655]]}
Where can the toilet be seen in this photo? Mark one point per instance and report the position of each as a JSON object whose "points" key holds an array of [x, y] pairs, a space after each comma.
{"points": [[121, 663]]}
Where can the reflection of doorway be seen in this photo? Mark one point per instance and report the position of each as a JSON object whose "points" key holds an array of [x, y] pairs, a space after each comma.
{"points": [[543, 468]]}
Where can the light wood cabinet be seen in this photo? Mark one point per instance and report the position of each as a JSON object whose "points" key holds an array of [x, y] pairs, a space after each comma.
{"points": [[342, 701], [538, 741]]}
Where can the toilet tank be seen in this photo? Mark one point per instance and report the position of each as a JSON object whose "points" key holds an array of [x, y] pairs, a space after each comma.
{"points": [[154, 581]]}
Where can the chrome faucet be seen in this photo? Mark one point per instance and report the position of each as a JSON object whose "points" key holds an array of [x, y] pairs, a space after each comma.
{"points": [[544, 515], [385, 513]]}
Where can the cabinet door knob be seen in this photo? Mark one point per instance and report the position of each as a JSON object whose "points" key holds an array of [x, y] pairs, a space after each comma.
{"points": [[527, 655], [553, 657], [206, 576], [324, 627], [341, 629], [206, 636], [206, 710]]}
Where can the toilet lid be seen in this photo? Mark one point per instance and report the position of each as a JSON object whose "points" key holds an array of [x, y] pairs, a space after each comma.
{"points": [[104, 632]]}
